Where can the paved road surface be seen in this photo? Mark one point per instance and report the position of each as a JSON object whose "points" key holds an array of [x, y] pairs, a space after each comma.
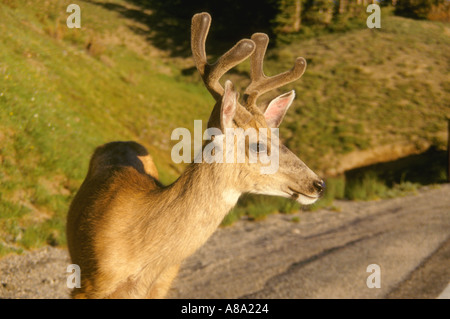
{"points": [[324, 255]]}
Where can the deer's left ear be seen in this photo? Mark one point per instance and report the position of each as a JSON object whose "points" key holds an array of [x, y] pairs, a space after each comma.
{"points": [[277, 108], [228, 106]]}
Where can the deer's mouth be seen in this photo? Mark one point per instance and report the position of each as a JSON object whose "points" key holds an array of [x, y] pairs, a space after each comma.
{"points": [[302, 197], [297, 193]]}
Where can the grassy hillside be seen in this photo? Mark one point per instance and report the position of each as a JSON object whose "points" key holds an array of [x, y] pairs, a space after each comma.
{"points": [[65, 91]]}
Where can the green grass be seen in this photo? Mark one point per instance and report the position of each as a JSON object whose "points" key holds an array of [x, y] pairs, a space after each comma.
{"points": [[371, 187], [257, 207], [65, 91]]}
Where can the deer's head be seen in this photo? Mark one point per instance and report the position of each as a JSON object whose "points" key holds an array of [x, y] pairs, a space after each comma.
{"points": [[291, 178]]}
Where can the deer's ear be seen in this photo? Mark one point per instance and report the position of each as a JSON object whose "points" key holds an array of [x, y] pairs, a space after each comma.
{"points": [[277, 108], [228, 107]]}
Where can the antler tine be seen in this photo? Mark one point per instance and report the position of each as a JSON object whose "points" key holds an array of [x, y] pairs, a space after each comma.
{"points": [[211, 73], [260, 83], [199, 30]]}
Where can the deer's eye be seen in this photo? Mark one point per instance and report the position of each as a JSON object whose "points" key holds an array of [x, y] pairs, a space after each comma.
{"points": [[258, 147]]}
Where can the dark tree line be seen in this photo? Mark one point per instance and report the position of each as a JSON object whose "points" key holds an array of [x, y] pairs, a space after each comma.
{"points": [[241, 17], [234, 19], [292, 14], [424, 9]]}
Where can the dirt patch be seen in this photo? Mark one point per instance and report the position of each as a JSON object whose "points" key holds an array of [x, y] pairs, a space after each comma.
{"points": [[56, 185]]}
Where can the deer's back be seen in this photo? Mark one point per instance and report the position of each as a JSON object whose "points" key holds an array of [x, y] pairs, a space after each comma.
{"points": [[104, 207]]}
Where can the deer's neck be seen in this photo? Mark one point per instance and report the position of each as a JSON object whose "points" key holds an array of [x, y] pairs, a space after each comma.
{"points": [[196, 204], [205, 190]]}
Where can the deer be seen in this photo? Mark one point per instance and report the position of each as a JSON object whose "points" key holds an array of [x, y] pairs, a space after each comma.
{"points": [[129, 233]]}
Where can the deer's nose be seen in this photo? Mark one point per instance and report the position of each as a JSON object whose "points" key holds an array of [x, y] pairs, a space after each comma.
{"points": [[319, 186]]}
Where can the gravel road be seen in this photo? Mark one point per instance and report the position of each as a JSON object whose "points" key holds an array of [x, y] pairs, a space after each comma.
{"points": [[321, 254]]}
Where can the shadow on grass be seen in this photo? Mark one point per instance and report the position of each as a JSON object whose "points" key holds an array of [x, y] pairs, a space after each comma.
{"points": [[169, 21]]}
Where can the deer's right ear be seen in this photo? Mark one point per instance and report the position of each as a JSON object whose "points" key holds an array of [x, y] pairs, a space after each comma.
{"points": [[228, 107], [277, 108]]}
